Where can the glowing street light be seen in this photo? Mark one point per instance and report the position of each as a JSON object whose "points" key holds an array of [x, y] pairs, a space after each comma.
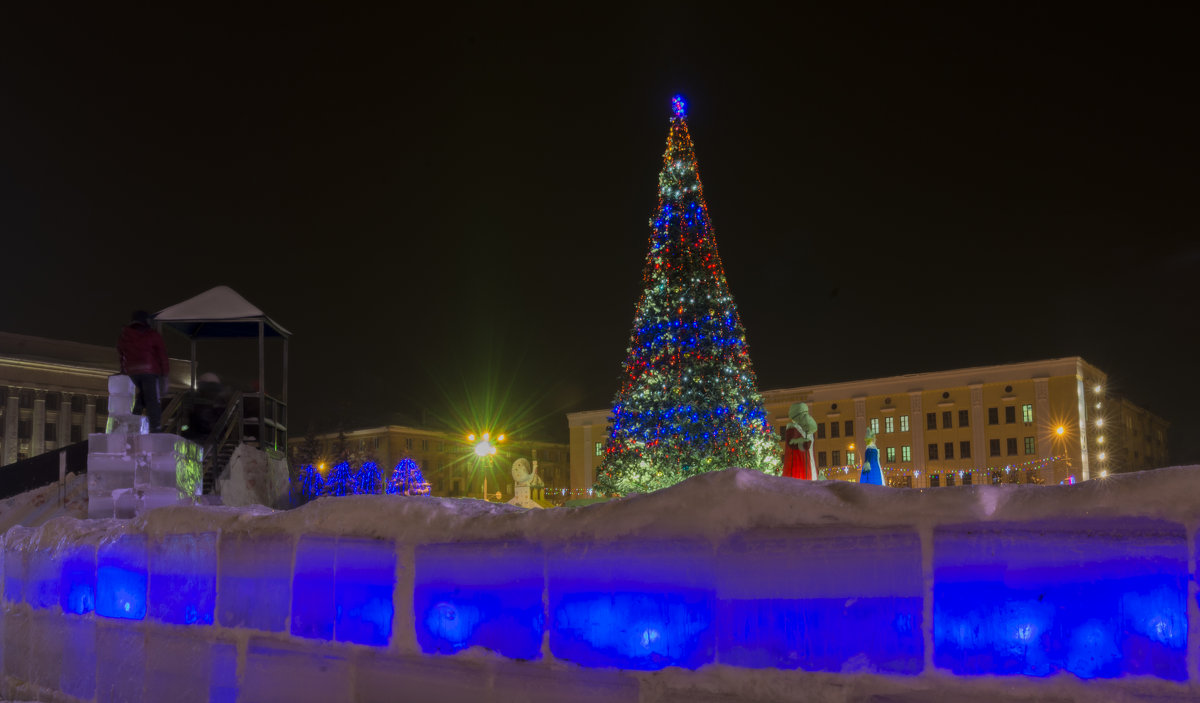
{"points": [[484, 447], [1060, 430]]}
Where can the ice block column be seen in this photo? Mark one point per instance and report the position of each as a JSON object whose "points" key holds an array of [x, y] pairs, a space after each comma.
{"points": [[822, 599], [1100, 598]]}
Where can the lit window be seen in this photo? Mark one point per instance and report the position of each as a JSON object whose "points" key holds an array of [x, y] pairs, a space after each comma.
{"points": [[850, 458], [1026, 413], [599, 448], [904, 423], [1030, 444], [889, 424], [906, 453], [891, 453], [874, 425]]}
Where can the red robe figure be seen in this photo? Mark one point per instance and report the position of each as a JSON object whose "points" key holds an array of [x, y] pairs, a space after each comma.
{"points": [[797, 443]]}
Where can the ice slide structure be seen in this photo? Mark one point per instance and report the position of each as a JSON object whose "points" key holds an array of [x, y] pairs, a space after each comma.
{"points": [[730, 586]]}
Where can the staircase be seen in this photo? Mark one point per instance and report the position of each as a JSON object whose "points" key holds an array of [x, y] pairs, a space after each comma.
{"points": [[213, 469]]}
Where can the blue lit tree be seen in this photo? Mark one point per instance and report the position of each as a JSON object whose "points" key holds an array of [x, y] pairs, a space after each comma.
{"points": [[311, 482], [688, 400], [340, 480], [368, 480], [406, 479]]}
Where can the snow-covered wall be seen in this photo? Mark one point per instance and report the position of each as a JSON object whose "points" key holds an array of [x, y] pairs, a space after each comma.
{"points": [[730, 583]]}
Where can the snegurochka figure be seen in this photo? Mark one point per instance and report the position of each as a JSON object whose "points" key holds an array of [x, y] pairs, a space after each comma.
{"points": [[872, 472]]}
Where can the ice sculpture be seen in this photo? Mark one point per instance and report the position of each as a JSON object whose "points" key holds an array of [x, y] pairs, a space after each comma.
{"points": [[131, 471]]}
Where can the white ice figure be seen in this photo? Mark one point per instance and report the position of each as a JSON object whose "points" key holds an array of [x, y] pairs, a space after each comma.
{"points": [[522, 478]]}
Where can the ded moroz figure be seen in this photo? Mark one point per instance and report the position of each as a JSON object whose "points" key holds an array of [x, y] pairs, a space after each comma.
{"points": [[797, 443]]}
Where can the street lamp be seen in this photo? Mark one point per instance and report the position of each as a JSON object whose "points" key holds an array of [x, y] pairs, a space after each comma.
{"points": [[485, 449]]}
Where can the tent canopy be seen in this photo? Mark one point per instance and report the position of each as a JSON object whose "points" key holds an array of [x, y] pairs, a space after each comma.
{"points": [[219, 312]]}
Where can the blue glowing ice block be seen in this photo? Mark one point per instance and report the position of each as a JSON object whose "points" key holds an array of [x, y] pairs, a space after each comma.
{"points": [[314, 611], [822, 599], [343, 588], [641, 604], [77, 586], [254, 579], [121, 578], [183, 578], [1095, 597], [480, 594], [365, 584]]}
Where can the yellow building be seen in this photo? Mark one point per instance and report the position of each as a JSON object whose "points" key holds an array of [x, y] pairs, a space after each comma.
{"points": [[447, 460], [1049, 421]]}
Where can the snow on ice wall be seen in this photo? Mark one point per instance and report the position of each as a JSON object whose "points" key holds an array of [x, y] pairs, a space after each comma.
{"points": [[952, 590]]}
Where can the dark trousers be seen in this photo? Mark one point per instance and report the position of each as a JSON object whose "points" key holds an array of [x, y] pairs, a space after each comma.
{"points": [[147, 399]]}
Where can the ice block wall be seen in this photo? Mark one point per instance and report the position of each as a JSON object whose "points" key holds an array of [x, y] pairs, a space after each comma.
{"points": [[1086, 593]]}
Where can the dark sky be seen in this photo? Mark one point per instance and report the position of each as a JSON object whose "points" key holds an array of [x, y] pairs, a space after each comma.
{"points": [[449, 208]]}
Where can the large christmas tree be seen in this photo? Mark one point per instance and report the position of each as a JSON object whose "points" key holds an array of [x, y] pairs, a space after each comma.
{"points": [[689, 400]]}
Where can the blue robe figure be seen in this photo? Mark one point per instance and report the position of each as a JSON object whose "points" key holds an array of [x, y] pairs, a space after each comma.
{"points": [[872, 473]]}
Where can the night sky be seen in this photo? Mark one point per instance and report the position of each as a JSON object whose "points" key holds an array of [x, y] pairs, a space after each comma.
{"points": [[449, 208]]}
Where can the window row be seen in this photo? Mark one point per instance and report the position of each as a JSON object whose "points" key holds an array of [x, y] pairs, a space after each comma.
{"points": [[964, 448]]}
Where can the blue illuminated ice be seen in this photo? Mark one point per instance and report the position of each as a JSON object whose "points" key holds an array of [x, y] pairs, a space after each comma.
{"points": [[121, 578], [183, 578], [480, 594], [1095, 597]]}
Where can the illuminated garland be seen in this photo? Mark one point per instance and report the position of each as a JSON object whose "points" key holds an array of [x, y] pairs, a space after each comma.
{"points": [[407, 479], [342, 480], [1031, 465], [688, 400]]}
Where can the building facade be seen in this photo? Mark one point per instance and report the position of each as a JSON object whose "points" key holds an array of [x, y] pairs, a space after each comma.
{"points": [[447, 460], [54, 392], [1050, 421]]}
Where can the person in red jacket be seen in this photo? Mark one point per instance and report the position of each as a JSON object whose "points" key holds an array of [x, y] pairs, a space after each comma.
{"points": [[144, 359]]}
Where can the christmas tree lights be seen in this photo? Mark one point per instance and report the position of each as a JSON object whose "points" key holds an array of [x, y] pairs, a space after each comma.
{"points": [[407, 479], [688, 401]]}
